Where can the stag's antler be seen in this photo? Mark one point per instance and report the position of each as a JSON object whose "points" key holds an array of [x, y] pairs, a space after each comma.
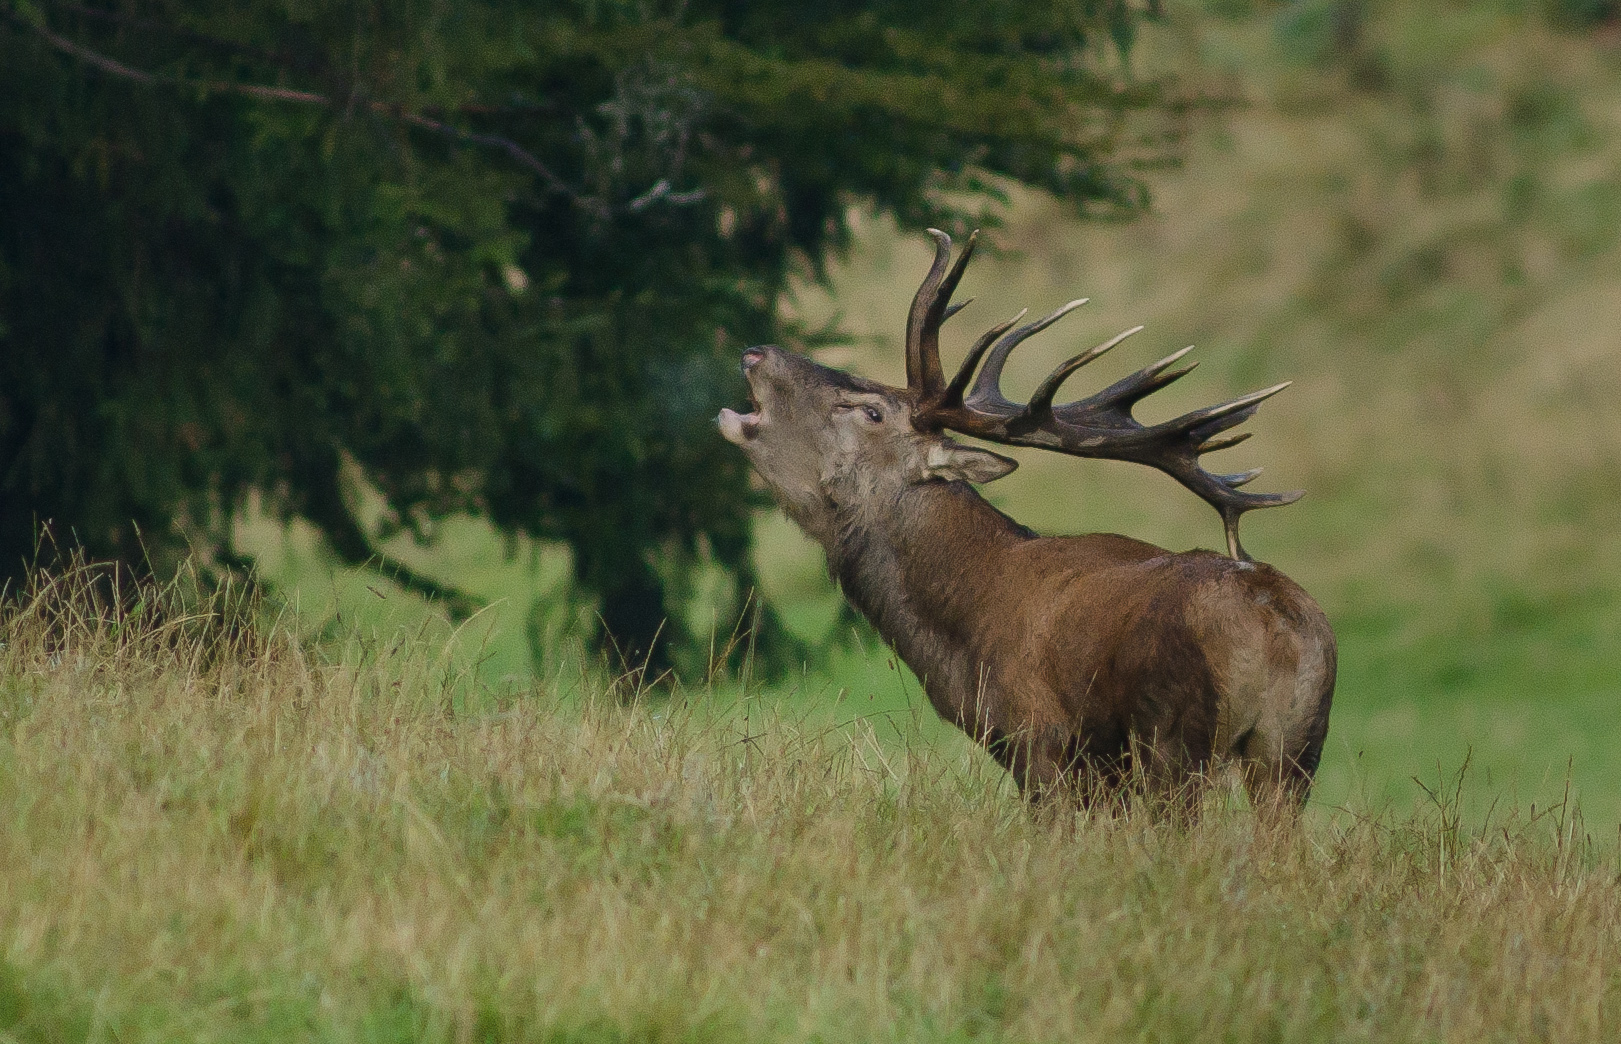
{"points": [[1100, 425]]}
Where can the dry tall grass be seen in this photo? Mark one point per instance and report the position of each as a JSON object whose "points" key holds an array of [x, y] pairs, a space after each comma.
{"points": [[217, 834]]}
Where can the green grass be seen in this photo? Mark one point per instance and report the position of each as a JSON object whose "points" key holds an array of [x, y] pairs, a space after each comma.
{"points": [[218, 835]]}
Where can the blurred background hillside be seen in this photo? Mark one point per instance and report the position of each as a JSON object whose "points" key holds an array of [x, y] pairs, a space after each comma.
{"points": [[1411, 210]]}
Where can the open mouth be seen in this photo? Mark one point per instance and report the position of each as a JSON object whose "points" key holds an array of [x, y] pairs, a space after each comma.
{"points": [[740, 427]]}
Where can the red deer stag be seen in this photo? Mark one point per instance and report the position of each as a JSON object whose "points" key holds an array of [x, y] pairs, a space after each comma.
{"points": [[1077, 661]]}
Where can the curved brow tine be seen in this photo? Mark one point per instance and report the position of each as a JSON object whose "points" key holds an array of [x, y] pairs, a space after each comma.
{"points": [[954, 309], [965, 372], [988, 388], [1041, 403]]}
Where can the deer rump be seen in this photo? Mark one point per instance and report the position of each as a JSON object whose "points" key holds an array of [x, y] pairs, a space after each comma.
{"points": [[1081, 663]]}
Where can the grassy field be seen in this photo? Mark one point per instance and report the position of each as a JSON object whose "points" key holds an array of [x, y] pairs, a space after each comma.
{"points": [[236, 836]]}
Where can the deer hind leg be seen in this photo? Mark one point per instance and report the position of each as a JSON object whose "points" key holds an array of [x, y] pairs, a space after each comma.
{"points": [[1172, 774], [1037, 758], [1106, 775], [1280, 756], [1278, 786], [1101, 782], [1278, 773], [1288, 723]]}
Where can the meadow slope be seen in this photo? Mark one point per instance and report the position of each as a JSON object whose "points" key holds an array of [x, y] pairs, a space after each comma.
{"points": [[216, 834]]}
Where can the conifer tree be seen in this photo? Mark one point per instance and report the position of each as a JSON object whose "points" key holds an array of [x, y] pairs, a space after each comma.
{"points": [[489, 257]]}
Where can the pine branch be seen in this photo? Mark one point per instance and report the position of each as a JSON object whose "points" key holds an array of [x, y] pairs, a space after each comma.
{"points": [[515, 151]]}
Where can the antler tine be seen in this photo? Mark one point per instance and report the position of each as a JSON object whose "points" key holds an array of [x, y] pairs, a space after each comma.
{"points": [[1200, 420], [1225, 442], [1240, 478], [930, 308], [949, 286], [965, 372], [988, 386], [917, 361], [1125, 393], [1220, 492], [1041, 403]]}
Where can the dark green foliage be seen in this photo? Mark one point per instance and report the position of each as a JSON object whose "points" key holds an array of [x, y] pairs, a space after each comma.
{"points": [[1583, 14], [491, 258]]}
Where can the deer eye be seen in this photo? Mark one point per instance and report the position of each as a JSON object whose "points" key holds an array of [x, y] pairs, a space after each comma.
{"points": [[872, 414]]}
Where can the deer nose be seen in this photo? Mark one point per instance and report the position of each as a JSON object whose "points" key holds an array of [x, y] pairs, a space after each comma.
{"points": [[752, 357]]}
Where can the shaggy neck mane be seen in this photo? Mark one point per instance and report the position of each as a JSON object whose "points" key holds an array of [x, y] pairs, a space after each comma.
{"points": [[918, 566]]}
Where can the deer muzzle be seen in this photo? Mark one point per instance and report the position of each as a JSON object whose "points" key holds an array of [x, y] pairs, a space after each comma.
{"points": [[738, 428]]}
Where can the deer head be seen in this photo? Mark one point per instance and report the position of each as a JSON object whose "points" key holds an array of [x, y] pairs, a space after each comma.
{"points": [[822, 438]]}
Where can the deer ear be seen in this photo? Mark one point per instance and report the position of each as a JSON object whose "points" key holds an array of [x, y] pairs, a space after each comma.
{"points": [[952, 461]]}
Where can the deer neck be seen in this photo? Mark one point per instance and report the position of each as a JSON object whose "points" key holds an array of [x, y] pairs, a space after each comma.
{"points": [[920, 568]]}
